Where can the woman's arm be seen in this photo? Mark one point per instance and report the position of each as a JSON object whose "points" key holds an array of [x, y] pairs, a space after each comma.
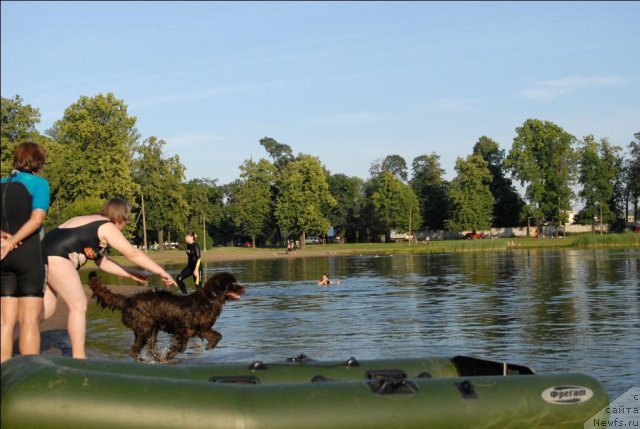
{"points": [[9, 242], [114, 238], [112, 267]]}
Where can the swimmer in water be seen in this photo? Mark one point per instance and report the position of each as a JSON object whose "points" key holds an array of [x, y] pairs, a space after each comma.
{"points": [[324, 281]]}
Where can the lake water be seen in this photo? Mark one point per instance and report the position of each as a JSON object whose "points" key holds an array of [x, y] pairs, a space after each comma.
{"points": [[552, 310]]}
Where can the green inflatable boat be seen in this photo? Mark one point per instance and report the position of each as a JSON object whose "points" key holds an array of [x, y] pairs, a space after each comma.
{"points": [[300, 393]]}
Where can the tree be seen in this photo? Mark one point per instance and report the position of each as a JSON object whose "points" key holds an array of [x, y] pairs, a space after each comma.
{"points": [[279, 152], [432, 191], [304, 201], [395, 205], [598, 166], [508, 205], [250, 203], [394, 164], [205, 206], [95, 140], [542, 157], [632, 177], [471, 198], [345, 217], [18, 124], [160, 182]]}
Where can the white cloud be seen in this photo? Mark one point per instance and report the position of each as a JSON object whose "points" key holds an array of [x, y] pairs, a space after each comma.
{"points": [[548, 89]]}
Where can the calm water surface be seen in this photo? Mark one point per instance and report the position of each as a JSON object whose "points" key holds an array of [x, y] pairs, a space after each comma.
{"points": [[552, 310]]}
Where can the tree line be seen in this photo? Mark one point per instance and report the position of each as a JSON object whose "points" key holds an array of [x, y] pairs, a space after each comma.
{"points": [[95, 152]]}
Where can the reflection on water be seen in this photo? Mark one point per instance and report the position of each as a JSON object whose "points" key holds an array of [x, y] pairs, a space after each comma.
{"points": [[553, 310]]}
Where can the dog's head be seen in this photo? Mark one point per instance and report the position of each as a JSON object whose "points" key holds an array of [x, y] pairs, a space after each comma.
{"points": [[224, 287], [94, 280]]}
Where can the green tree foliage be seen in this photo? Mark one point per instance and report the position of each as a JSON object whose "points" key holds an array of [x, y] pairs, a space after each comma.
{"points": [[631, 189], [82, 207], [205, 207], [395, 205], [543, 157], [250, 203], [508, 204], [598, 167], [345, 217], [432, 190], [279, 152], [18, 124], [160, 180], [95, 145], [471, 197], [394, 164], [304, 201]]}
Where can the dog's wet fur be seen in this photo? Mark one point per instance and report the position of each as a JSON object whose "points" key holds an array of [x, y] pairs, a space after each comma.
{"points": [[184, 317]]}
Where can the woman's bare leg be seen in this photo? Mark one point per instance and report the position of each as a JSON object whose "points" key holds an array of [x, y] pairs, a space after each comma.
{"points": [[64, 279], [50, 303], [29, 315], [9, 315]]}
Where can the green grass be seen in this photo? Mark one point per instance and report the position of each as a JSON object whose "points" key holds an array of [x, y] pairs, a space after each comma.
{"points": [[627, 240]]}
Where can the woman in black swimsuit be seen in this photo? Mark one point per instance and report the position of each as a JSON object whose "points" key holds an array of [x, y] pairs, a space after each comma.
{"points": [[83, 238]]}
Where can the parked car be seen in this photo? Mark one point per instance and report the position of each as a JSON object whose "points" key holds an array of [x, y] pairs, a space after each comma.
{"points": [[473, 236], [241, 243], [311, 240]]}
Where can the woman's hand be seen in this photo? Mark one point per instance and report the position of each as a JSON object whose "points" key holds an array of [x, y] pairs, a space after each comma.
{"points": [[140, 276], [5, 244], [167, 279]]}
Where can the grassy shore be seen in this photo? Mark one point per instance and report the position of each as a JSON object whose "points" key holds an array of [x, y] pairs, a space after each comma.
{"points": [[224, 254]]}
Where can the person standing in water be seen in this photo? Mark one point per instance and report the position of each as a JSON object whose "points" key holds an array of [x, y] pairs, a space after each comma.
{"points": [[194, 264], [25, 202]]}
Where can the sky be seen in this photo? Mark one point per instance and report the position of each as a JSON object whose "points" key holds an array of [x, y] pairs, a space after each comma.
{"points": [[348, 82]]}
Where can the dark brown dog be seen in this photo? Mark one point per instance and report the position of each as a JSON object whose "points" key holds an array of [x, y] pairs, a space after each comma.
{"points": [[150, 312]]}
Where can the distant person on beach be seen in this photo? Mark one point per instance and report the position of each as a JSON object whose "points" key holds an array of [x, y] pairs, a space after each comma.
{"points": [[194, 264], [291, 247], [25, 202], [83, 238]]}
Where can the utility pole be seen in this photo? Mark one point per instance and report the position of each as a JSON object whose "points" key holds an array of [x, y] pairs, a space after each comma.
{"points": [[600, 217], [204, 236], [409, 226]]}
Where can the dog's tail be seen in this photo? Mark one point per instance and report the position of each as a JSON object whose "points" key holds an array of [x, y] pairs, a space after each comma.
{"points": [[104, 297]]}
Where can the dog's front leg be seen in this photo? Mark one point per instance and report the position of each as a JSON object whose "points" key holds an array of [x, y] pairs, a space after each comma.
{"points": [[141, 338], [213, 338]]}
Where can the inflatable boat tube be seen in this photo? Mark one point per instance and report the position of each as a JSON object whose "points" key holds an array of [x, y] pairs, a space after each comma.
{"points": [[47, 392]]}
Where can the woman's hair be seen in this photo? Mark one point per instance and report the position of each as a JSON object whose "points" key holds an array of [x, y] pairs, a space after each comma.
{"points": [[116, 209], [191, 234], [29, 156]]}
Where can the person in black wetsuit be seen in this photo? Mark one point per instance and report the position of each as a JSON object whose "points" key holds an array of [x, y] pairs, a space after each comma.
{"points": [[25, 202], [194, 264]]}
